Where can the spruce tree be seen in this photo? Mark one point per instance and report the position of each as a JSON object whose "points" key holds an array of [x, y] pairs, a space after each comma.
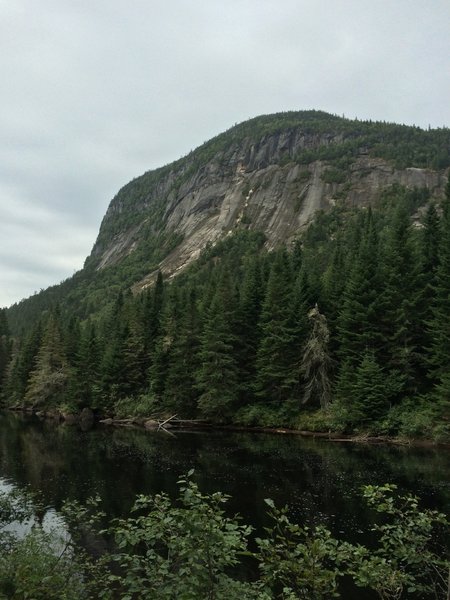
{"points": [[217, 377], [370, 393], [248, 315], [152, 315], [180, 392], [5, 349], [430, 244], [440, 324], [135, 357], [277, 376], [113, 370], [22, 364], [88, 367], [48, 382], [168, 323], [358, 319], [429, 260], [401, 299], [333, 283]]}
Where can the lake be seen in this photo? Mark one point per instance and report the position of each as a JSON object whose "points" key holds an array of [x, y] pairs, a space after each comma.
{"points": [[320, 480]]}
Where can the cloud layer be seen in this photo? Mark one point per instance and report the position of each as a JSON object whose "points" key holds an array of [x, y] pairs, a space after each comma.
{"points": [[95, 92]]}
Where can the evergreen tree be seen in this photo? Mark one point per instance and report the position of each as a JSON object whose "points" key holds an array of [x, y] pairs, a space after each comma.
{"points": [[22, 364], [440, 324], [5, 349], [302, 300], [248, 315], [430, 244], [371, 391], [277, 357], [168, 325], [47, 385], [88, 367], [217, 377], [358, 319], [401, 300], [333, 280], [114, 378], [135, 358], [368, 390], [429, 260], [71, 336], [180, 392], [152, 315]]}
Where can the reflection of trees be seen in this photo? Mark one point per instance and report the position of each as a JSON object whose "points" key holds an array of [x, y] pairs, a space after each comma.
{"points": [[320, 480]]}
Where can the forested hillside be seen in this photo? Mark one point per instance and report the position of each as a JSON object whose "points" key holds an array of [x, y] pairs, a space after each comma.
{"points": [[270, 174], [346, 329]]}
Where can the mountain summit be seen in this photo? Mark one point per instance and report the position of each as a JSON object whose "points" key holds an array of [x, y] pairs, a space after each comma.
{"points": [[270, 174]]}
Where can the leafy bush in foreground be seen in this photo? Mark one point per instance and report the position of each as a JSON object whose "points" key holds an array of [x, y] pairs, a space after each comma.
{"points": [[191, 550]]}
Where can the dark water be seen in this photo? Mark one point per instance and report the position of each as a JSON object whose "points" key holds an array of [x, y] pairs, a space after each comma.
{"points": [[319, 480]]}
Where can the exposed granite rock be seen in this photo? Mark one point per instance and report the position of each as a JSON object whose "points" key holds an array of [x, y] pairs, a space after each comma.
{"points": [[250, 185]]}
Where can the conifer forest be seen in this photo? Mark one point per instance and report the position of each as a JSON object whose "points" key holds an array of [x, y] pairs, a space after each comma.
{"points": [[345, 330]]}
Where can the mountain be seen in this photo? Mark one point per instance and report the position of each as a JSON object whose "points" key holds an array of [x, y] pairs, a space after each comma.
{"points": [[270, 174], [296, 262]]}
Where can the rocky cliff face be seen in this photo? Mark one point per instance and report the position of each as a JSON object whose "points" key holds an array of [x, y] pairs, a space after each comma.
{"points": [[252, 184]]}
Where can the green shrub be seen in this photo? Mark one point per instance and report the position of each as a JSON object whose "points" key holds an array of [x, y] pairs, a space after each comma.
{"points": [[259, 415], [190, 549], [35, 563], [144, 405], [411, 419], [318, 420]]}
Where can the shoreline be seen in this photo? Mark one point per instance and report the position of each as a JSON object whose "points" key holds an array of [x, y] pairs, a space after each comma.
{"points": [[87, 418]]}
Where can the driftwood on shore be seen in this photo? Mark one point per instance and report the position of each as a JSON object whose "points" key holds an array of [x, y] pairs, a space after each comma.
{"points": [[155, 423]]}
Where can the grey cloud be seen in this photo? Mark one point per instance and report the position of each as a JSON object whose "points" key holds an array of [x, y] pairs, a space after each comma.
{"points": [[94, 93]]}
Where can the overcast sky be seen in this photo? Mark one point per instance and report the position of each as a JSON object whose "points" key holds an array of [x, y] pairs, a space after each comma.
{"points": [[95, 92]]}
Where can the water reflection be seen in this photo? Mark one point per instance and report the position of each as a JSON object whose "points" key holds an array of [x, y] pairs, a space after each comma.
{"points": [[320, 480]]}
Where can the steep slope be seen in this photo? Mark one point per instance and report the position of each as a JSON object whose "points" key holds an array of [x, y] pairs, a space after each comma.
{"points": [[269, 174]]}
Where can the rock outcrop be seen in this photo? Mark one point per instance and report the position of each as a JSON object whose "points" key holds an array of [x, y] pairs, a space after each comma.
{"points": [[255, 185]]}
